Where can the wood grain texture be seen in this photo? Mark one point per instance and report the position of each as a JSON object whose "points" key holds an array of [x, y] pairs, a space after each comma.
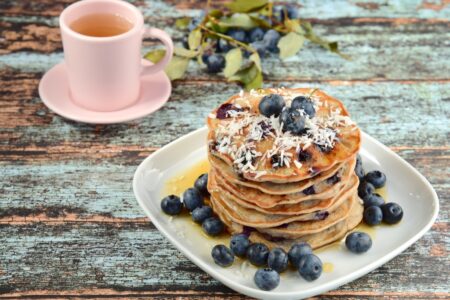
{"points": [[69, 223]]}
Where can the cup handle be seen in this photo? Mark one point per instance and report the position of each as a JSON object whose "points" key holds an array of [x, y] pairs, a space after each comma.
{"points": [[167, 41]]}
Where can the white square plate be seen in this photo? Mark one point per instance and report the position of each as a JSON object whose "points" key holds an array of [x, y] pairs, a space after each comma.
{"points": [[405, 185]]}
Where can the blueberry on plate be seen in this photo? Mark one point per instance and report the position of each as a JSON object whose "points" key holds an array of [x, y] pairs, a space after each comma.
{"points": [[212, 226], [297, 251], [358, 242], [256, 34], [277, 260], [310, 267], [376, 178], [373, 200], [171, 205], [304, 155], [202, 213], [238, 34], [215, 63], [373, 215], [365, 189], [201, 184], [267, 279], [271, 38], [222, 255], [359, 171], [192, 199], [292, 121], [239, 244], [257, 254], [305, 104], [392, 213], [271, 105]]}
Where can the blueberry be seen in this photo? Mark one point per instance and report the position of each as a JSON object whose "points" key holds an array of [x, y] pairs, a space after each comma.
{"points": [[304, 104], [171, 205], [277, 260], [267, 279], [373, 215], [365, 189], [376, 178], [260, 47], [297, 251], [201, 184], [194, 23], [238, 35], [304, 155], [292, 121], [192, 199], [373, 200], [271, 38], [239, 244], [392, 213], [215, 63], [223, 46], [257, 254], [310, 267], [223, 111], [222, 255], [201, 213], [271, 105], [358, 242], [212, 226], [359, 171], [334, 179], [256, 34], [292, 12], [184, 42], [278, 13], [309, 190]]}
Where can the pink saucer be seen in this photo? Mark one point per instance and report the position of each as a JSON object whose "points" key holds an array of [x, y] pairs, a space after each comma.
{"points": [[54, 92]]}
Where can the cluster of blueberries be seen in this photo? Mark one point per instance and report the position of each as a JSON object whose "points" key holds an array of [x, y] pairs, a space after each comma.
{"points": [[292, 118], [273, 262], [263, 41], [193, 201], [375, 209]]}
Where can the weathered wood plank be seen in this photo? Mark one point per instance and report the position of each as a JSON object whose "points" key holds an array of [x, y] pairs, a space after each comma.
{"points": [[395, 113], [379, 51], [98, 189], [137, 258], [308, 8]]}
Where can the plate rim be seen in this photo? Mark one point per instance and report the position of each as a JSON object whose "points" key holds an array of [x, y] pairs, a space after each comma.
{"points": [[254, 292]]}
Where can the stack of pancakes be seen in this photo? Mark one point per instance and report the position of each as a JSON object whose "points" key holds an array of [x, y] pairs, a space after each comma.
{"points": [[278, 187]]}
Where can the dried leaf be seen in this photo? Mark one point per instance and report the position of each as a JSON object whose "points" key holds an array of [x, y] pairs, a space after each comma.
{"points": [[175, 69], [238, 20], [233, 61], [256, 59], [290, 44], [182, 23], [194, 39], [245, 5]]}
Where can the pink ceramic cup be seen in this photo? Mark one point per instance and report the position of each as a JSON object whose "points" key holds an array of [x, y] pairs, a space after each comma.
{"points": [[104, 72]]}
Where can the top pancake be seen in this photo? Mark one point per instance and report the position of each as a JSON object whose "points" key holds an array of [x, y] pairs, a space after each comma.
{"points": [[249, 141]]}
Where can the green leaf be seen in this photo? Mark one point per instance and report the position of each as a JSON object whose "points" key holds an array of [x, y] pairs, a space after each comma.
{"points": [[256, 59], [290, 44], [215, 13], [182, 23], [331, 46], [155, 55], [250, 77], [233, 61], [175, 69], [194, 39], [245, 5], [185, 52], [238, 20]]}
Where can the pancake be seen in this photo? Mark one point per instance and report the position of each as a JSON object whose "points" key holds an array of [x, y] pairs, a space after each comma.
{"points": [[322, 190], [249, 142], [252, 218]]}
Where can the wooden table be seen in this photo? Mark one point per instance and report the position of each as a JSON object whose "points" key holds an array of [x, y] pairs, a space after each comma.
{"points": [[70, 224]]}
